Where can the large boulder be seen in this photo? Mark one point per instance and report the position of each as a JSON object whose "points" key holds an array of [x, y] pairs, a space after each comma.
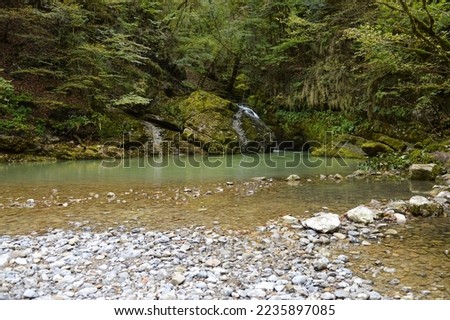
{"points": [[323, 222], [423, 171], [361, 214], [219, 126], [208, 122]]}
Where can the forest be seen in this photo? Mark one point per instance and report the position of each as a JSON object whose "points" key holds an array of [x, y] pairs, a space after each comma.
{"points": [[374, 73]]}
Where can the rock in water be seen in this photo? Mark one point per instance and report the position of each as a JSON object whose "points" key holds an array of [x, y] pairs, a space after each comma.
{"points": [[290, 219], [323, 222], [421, 206], [400, 218], [361, 214], [293, 177], [423, 171]]}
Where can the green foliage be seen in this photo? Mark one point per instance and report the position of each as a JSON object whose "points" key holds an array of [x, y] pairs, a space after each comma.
{"points": [[14, 115], [88, 57]]}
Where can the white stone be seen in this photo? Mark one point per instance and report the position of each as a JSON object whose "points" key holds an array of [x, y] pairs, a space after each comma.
{"points": [[177, 279], [87, 291], [171, 295], [30, 294], [21, 261], [323, 222], [293, 177], [418, 201], [256, 293], [444, 194], [299, 280], [4, 259], [269, 286], [400, 218], [212, 262], [30, 203], [361, 214], [290, 219]]}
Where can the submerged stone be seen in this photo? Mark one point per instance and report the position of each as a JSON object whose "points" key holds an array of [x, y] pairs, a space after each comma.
{"points": [[323, 222], [423, 171]]}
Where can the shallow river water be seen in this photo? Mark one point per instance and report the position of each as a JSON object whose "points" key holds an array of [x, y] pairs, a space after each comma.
{"points": [[164, 193]]}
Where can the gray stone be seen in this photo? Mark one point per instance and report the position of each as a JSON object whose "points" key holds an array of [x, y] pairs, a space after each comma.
{"points": [[327, 296], [361, 214], [373, 295], [87, 291], [163, 239], [227, 291], [213, 262], [323, 222], [171, 295], [341, 294], [321, 264], [339, 235], [5, 296], [4, 259], [256, 293], [177, 279], [391, 232], [423, 171], [300, 280], [30, 294]]}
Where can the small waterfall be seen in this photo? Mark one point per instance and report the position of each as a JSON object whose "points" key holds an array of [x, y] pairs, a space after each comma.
{"points": [[252, 131], [248, 111], [155, 144]]}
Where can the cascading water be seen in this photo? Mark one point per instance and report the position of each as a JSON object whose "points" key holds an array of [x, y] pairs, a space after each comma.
{"points": [[155, 134], [254, 135]]}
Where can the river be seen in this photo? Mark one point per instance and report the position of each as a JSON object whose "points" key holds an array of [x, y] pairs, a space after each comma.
{"points": [[236, 192]]}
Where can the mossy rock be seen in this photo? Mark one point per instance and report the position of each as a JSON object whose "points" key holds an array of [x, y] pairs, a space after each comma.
{"points": [[396, 144], [431, 209], [356, 140], [208, 123], [374, 148], [201, 102], [347, 150]]}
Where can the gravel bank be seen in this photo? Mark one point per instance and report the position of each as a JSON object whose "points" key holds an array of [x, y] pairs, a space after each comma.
{"points": [[278, 261]]}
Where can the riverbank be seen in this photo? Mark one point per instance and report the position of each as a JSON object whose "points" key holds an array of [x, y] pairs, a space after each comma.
{"points": [[287, 258], [188, 263]]}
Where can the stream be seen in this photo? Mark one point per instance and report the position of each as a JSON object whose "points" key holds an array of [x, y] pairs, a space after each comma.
{"points": [[235, 192]]}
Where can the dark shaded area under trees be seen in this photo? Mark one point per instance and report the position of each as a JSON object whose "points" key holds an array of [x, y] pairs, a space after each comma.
{"points": [[90, 70]]}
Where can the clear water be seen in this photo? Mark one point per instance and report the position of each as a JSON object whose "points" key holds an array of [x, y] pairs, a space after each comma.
{"points": [[174, 169]]}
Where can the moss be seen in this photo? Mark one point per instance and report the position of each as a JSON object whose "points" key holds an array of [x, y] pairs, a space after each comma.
{"points": [[374, 148], [348, 151], [202, 101], [396, 144]]}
